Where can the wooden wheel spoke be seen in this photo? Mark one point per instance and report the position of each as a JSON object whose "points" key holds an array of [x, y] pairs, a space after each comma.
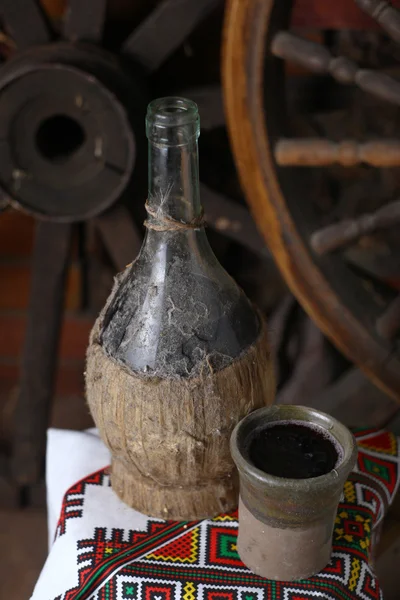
{"points": [[84, 20], [25, 22], [210, 103], [165, 29], [347, 231], [4, 201], [385, 14], [388, 324], [115, 227], [232, 219], [319, 152], [50, 261], [318, 59]]}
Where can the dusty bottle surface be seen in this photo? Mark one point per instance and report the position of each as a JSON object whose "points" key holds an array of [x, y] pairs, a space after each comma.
{"points": [[176, 309]]}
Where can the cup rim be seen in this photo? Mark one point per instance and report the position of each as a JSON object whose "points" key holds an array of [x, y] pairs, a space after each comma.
{"points": [[336, 429]]}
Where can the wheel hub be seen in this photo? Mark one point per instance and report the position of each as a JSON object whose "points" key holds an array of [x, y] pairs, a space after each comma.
{"points": [[67, 142]]}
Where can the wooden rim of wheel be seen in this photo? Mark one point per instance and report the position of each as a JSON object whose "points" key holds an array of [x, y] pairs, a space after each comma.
{"points": [[249, 26]]}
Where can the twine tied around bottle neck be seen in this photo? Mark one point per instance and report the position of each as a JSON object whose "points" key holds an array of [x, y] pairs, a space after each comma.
{"points": [[166, 223]]}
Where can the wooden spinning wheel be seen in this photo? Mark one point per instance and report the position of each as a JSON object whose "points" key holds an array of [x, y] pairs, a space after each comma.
{"points": [[358, 311]]}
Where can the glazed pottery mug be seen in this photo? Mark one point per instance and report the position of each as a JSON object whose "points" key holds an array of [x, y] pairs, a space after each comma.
{"points": [[286, 524]]}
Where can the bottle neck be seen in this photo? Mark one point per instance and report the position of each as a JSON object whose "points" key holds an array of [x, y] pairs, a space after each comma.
{"points": [[172, 131], [174, 182]]}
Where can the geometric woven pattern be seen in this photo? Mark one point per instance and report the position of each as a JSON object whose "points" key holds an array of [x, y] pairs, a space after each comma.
{"points": [[73, 500], [185, 549], [199, 560]]}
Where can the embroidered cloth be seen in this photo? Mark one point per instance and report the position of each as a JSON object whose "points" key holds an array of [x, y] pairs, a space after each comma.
{"points": [[106, 551]]}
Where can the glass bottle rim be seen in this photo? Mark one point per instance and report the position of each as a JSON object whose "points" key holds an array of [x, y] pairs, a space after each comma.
{"points": [[172, 111]]}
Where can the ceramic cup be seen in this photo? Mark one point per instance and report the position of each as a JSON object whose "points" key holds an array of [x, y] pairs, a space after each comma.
{"points": [[286, 525]]}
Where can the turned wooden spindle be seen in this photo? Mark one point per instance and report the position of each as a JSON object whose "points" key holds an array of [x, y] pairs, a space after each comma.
{"points": [[385, 14], [318, 152], [347, 231], [318, 59]]}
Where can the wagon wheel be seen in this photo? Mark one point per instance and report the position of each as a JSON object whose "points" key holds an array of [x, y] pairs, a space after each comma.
{"points": [[360, 314], [73, 96]]}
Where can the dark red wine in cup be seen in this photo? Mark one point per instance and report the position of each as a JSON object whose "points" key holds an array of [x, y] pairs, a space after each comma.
{"points": [[294, 449]]}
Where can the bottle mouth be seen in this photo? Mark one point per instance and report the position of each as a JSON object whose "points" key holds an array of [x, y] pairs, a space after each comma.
{"points": [[172, 111], [172, 121]]}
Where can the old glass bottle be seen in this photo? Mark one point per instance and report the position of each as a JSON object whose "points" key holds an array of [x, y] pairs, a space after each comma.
{"points": [[176, 310], [178, 355]]}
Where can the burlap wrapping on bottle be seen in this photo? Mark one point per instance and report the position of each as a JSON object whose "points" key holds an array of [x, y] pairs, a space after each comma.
{"points": [[169, 437]]}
